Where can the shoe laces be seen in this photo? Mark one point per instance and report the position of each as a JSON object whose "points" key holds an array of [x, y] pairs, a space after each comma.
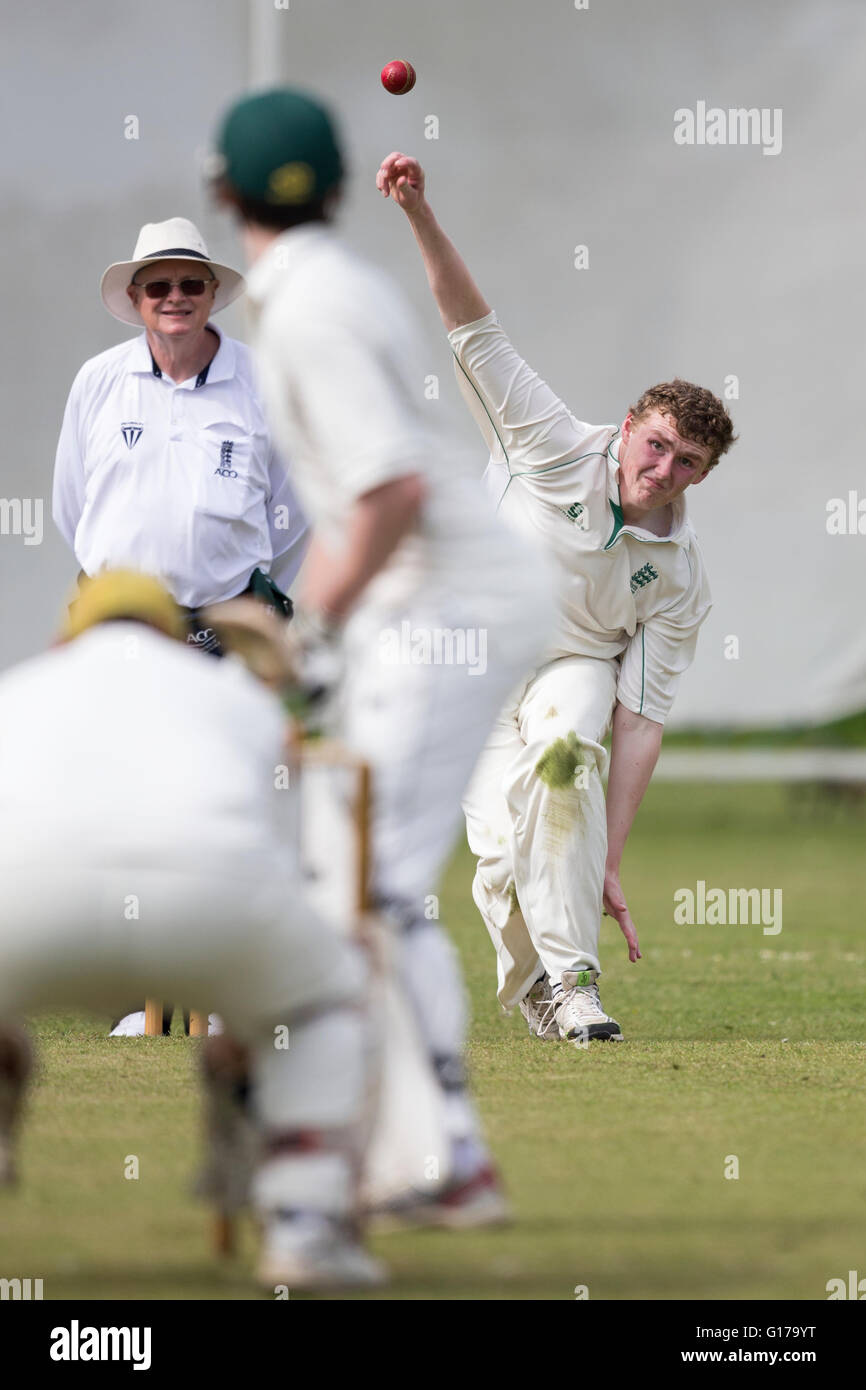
{"points": [[546, 1014], [541, 1003], [584, 1003]]}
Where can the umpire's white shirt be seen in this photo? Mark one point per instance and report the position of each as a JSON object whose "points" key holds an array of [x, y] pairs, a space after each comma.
{"points": [[624, 593], [177, 480]]}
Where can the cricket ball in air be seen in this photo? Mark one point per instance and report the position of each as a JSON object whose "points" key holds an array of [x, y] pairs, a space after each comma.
{"points": [[398, 77]]}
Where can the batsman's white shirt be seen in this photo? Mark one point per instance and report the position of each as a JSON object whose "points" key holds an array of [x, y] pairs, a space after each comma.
{"points": [[177, 480], [342, 372], [624, 592], [341, 369]]}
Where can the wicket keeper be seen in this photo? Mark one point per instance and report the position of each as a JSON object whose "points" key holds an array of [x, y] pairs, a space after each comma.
{"points": [[151, 783]]}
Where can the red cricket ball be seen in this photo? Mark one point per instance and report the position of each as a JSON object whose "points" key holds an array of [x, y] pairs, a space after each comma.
{"points": [[398, 77]]}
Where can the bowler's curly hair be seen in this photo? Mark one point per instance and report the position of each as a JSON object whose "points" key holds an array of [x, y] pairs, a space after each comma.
{"points": [[696, 413]]}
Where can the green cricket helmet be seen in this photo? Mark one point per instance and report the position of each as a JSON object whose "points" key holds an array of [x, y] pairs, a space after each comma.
{"points": [[279, 147]]}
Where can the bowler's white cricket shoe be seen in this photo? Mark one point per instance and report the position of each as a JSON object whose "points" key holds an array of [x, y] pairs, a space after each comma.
{"points": [[537, 1008], [578, 1012], [308, 1250]]}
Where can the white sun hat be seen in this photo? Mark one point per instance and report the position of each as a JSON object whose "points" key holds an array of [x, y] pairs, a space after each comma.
{"points": [[174, 240]]}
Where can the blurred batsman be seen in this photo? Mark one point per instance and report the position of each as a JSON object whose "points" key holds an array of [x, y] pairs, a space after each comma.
{"points": [[436, 608], [143, 848]]}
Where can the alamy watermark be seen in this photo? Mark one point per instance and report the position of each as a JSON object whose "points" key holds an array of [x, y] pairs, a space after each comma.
{"points": [[738, 125], [77, 1343], [434, 646], [22, 516], [720, 907], [846, 516], [854, 1287], [21, 1289]]}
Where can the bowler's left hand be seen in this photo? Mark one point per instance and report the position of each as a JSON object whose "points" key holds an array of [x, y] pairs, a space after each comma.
{"points": [[616, 906]]}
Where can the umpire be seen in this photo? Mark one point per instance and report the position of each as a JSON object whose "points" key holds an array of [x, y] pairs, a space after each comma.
{"points": [[165, 463]]}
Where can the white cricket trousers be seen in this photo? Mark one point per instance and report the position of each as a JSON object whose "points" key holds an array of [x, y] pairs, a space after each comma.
{"points": [[535, 817], [421, 724], [235, 938]]}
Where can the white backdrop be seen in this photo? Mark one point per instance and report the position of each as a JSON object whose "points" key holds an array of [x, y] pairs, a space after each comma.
{"points": [[555, 129]]}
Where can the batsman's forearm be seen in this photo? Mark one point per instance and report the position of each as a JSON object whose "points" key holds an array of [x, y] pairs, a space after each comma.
{"points": [[456, 293], [635, 745], [377, 524]]}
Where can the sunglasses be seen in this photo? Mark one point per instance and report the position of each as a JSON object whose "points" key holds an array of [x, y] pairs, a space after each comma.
{"points": [[158, 289]]}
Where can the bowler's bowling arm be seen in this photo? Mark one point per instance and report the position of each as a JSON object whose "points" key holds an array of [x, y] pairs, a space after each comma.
{"points": [[458, 297], [460, 301]]}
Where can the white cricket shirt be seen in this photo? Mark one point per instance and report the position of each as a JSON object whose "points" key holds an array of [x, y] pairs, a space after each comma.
{"points": [[623, 591], [341, 369], [124, 742], [180, 481]]}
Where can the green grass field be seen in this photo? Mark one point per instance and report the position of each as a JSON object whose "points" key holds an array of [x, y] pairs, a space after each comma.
{"points": [[737, 1043]]}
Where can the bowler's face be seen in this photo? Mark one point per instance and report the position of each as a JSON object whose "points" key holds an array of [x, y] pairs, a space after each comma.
{"points": [[175, 315], [656, 463]]}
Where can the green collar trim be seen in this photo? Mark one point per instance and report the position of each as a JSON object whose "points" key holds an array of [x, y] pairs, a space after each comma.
{"points": [[616, 507], [618, 523]]}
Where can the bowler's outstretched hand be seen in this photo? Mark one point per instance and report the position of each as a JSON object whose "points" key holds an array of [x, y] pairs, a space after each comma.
{"points": [[401, 177]]}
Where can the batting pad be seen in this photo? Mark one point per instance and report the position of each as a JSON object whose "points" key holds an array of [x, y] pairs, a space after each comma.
{"points": [[408, 1144]]}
